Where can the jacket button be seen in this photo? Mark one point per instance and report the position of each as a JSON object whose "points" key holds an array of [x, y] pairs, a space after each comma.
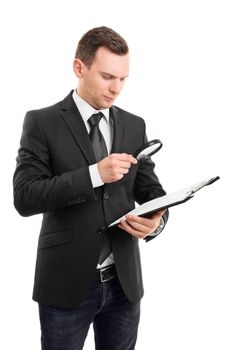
{"points": [[101, 230], [106, 195]]}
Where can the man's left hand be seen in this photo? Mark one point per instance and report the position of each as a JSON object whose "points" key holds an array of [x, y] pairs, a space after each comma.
{"points": [[141, 227]]}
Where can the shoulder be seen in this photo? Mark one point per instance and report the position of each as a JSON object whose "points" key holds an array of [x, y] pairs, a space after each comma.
{"points": [[44, 112], [50, 113]]}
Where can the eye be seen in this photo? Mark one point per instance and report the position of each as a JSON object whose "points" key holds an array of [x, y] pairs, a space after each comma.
{"points": [[107, 76]]}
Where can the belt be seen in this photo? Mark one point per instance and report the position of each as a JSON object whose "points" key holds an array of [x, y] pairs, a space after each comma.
{"points": [[106, 273]]}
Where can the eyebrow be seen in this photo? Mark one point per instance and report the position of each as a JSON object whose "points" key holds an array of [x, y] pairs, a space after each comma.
{"points": [[113, 76]]}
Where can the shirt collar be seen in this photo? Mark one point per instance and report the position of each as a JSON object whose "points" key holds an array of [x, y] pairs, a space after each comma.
{"points": [[87, 110]]}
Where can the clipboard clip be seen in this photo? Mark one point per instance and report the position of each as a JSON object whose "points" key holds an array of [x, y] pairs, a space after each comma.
{"points": [[202, 184]]}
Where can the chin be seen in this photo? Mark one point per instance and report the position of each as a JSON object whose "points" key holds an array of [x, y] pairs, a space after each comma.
{"points": [[105, 105], [109, 104]]}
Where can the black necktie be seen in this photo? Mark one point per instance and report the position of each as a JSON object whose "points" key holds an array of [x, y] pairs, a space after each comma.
{"points": [[97, 140], [100, 150]]}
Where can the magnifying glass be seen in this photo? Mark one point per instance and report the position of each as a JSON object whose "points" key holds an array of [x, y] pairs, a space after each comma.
{"points": [[148, 149]]}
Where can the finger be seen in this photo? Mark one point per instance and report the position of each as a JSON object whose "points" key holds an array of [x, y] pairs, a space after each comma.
{"points": [[123, 171], [137, 227], [124, 225], [159, 213], [138, 220], [124, 165], [124, 157]]}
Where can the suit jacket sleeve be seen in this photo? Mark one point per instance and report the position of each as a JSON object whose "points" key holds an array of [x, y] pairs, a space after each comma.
{"points": [[36, 189], [147, 185]]}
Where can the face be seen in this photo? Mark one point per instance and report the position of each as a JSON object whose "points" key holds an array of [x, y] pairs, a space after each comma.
{"points": [[100, 84]]}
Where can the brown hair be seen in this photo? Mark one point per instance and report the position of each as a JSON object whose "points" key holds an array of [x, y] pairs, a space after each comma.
{"points": [[96, 38]]}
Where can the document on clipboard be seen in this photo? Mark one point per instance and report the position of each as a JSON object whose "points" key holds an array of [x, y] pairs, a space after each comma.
{"points": [[168, 200]]}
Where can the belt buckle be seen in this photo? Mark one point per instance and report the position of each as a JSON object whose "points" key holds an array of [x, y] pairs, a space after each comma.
{"points": [[102, 278]]}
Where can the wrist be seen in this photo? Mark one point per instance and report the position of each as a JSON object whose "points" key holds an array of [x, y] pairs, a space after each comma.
{"points": [[159, 228]]}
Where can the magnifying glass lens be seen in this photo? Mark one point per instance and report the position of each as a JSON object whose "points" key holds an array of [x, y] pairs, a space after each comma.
{"points": [[148, 149]]}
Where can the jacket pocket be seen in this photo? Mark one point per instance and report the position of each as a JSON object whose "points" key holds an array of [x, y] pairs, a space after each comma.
{"points": [[54, 239]]}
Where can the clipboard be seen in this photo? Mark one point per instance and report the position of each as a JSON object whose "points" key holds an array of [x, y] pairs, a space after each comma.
{"points": [[168, 200]]}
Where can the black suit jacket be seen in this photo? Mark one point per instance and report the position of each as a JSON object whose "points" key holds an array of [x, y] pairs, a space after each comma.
{"points": [[52, 177]]}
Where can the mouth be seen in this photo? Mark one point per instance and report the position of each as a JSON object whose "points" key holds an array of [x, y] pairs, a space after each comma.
{"points": [[109, 99]]}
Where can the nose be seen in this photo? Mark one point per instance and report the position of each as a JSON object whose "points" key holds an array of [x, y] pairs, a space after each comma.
{"points": [[116, 86]]}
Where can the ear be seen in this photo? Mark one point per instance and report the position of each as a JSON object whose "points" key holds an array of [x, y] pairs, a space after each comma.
{"points": [[78, 67]]}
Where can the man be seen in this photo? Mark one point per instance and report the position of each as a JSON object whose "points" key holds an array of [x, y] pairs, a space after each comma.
{"points": [[76, 166]]}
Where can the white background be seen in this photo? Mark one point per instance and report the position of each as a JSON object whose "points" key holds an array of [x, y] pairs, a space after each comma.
{"points": [[181, 82]]}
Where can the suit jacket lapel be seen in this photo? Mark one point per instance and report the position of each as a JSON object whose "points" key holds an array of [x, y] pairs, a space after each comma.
{"points": [[75, 123], [118, 130], [73, 119]]}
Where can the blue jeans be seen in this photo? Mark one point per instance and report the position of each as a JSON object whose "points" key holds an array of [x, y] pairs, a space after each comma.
{"points": [[115, 321]]}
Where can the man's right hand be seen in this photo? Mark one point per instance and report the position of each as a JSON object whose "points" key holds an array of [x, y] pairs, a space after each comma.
{"points": [[115, 166]]}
